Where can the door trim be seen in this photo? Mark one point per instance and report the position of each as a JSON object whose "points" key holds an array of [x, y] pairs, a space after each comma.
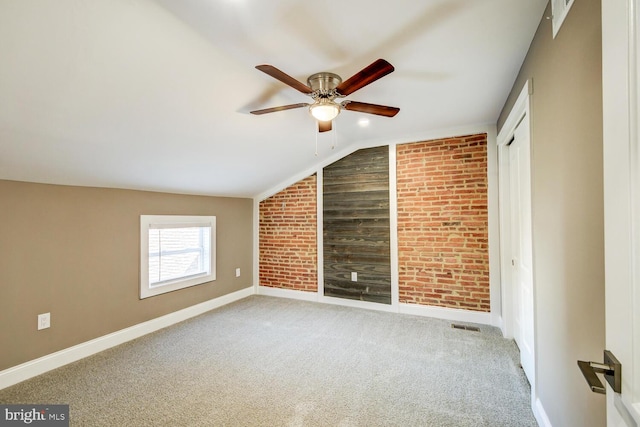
{"points": [[633, 401], [521, 111], [620, 83]]}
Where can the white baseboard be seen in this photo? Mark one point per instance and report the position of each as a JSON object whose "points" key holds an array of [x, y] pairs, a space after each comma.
{"points": [[540, 414], [288, 293], [30, 369], [496, 320], [446, 313], [414, 309]]}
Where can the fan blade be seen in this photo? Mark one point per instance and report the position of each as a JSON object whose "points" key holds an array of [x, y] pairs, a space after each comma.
{"points": [[281, 108], [363, 107], [369, 74], [324, 126], [284, 78]]}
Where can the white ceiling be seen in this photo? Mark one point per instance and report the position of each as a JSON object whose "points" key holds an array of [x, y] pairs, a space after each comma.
{"points": [[155, 95]]}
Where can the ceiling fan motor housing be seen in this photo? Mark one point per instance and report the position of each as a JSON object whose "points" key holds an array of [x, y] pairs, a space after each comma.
{"points": [[323, 81]]}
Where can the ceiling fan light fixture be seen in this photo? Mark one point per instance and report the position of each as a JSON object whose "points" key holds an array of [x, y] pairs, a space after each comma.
{"points": [[324, 110], [325, 87]]}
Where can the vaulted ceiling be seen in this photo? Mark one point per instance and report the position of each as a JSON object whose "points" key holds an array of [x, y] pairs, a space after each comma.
{"points": [[155, 95]]}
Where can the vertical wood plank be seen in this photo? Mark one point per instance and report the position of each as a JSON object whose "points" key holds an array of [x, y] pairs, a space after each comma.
{"points": [[356, 226]]}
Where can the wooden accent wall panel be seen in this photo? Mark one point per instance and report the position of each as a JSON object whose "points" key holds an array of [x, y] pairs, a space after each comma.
{"points": [[288, 248], [443, 248], [356, 226]]}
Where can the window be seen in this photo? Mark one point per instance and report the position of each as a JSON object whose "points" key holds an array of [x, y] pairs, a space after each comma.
{"points": [[559, 11], [176, 252]]}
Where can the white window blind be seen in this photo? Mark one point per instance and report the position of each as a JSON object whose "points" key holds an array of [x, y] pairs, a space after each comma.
{"points": [[179, 252]]}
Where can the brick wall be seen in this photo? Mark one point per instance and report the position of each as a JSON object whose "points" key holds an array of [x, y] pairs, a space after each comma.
{"points": [[288, 238], [443, 253]]}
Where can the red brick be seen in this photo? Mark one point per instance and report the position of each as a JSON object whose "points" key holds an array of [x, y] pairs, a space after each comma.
{"points": [[442, 191], [288, 238]]}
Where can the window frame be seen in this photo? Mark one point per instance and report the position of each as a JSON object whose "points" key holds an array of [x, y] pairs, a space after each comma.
{"points": [[148, 222], [559, 11]]}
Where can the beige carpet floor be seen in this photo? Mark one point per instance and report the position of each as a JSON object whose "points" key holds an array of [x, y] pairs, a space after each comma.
{"points": [[266, 361]]}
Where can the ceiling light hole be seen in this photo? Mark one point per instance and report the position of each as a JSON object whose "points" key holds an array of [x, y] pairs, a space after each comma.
{"points": [[363, 122]]}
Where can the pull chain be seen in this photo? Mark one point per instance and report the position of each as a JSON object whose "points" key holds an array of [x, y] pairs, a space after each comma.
{"points": [[317, 132], [334, 136]]}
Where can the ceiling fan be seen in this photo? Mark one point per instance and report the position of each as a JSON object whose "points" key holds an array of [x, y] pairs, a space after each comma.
{"points": [[325, 87]]}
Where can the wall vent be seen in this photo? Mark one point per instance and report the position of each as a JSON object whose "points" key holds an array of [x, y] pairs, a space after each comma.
{"points": [[465, 327]]}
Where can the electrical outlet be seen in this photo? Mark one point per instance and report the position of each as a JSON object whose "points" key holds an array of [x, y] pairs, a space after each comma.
{"points": [[237, 272], [354, 276], [44, 321]]}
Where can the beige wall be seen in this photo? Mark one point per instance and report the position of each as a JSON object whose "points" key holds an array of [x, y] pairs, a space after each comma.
{"points": [[74, 252], [567, 192]]}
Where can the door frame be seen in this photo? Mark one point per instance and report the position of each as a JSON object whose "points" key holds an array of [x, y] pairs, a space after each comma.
{"points": [[621, 148], [521, 111]]}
